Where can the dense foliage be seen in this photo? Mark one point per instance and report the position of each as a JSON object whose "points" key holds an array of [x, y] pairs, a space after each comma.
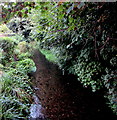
{"points": [[15, 84], [83, 37], [20, 26]]}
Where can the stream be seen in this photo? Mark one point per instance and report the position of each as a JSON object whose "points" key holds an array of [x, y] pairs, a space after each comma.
{"points": [[62, 97]]}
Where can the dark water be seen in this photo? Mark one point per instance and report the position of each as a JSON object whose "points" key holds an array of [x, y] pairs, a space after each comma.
{"points": [[62, 97]]}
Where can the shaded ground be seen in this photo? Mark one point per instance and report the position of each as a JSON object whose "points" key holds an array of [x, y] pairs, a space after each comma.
{"points": [[63, 97]]}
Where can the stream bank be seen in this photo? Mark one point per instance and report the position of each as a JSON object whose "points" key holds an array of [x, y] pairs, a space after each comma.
{"points": [[63, 97]]}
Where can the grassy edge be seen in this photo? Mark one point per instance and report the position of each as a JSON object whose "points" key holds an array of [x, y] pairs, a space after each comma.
{"points": [[49, 55]]}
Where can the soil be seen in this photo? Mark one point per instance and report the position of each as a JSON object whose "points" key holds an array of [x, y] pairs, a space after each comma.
{"points": [[63, 97]]}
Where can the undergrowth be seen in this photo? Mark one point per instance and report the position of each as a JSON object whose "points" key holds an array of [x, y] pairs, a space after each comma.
{"points": [[15, 84]]}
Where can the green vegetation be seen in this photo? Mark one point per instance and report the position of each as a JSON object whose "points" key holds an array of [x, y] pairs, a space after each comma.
{"points": [[4, 29], [15, 98], [83, 40], [7, 47], [82, 36], [49, 55], [15, 84]]}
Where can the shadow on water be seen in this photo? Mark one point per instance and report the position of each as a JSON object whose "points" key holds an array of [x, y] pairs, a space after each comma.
{"points": [[62, 97]]}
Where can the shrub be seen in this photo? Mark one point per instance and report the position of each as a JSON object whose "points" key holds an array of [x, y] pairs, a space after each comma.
{"points": [[23, 56], [88, 73], [26, 65]]}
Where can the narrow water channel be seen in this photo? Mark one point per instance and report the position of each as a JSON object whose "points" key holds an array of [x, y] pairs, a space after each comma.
{"points": [[62, 97]]}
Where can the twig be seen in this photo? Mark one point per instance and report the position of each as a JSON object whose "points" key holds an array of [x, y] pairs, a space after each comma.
{"points": [[95, 44], [104, 43]]}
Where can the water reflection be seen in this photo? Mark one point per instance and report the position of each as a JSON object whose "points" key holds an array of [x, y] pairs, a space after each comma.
{"points": [[36, 110]]}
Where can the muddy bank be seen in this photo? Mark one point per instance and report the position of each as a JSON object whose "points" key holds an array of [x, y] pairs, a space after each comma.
{"points": [[63, 97]]}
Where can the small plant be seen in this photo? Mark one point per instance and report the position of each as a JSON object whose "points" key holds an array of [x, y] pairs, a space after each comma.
{"points": [[88, 73], [26, 65], [24, 56]]}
